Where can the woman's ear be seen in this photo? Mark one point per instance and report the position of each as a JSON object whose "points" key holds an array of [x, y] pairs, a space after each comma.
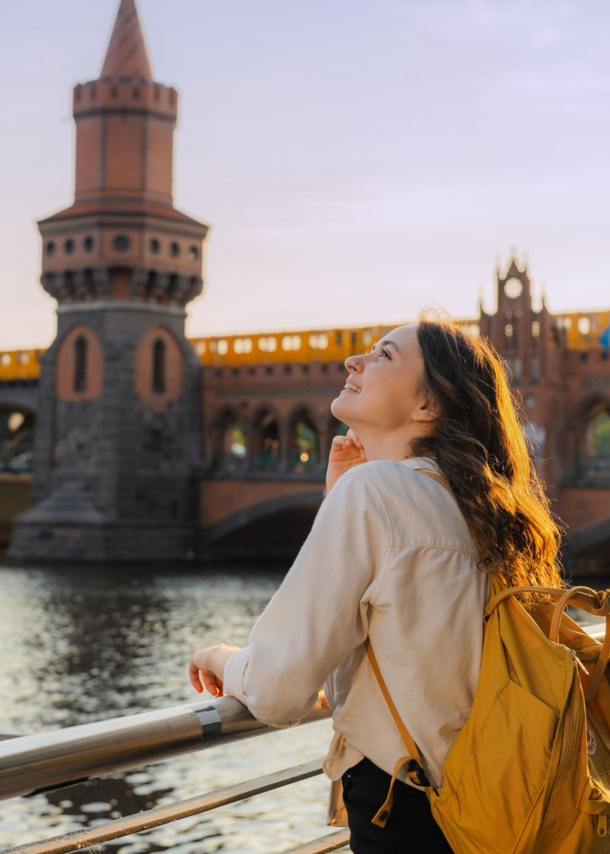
{"points": [[426, 410]]}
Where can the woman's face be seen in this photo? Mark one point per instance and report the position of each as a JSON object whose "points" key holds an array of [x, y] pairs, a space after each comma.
{"points": [[384, 390]]}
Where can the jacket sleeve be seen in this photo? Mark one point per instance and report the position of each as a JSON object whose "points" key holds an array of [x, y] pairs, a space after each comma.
{"points": [[319, 615]]}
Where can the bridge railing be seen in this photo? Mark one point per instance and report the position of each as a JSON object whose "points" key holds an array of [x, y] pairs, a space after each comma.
{"points": [[38, 763]]}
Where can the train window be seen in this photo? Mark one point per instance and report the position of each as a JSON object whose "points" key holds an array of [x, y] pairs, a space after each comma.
{"points": [[291, 342], [318, 341], [267, 344]]}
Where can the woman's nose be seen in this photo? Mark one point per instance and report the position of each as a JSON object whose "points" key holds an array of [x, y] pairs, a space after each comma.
{"points": [[353, 364]]}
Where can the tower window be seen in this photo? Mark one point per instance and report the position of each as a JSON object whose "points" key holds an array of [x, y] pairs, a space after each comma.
{"points": [[69, 246], [154, 246], [193, 253], [50, 248], [88, 244], [121, 243], [80, 364], [159, 357], [174, 249]]}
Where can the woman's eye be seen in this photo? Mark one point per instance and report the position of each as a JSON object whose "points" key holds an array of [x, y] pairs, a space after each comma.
{"points": [[385, 354]]}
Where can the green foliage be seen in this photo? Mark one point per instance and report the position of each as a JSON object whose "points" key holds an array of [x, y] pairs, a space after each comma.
{"points": [[601, 435]]}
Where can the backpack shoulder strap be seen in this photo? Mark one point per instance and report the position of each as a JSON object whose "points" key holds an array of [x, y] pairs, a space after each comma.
{"points": [[415, 769], [404, 732], [437, 477], [413, 762]]}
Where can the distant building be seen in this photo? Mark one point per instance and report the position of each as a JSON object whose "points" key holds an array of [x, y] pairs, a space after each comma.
{"points": [[151, 447]]}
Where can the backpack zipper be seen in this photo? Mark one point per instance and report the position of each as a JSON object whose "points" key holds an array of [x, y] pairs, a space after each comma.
{"points": [[566, 759]]}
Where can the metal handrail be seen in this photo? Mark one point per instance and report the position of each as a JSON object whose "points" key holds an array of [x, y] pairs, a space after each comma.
{"points": [[330, 842], [37, 763], [183, 809]]}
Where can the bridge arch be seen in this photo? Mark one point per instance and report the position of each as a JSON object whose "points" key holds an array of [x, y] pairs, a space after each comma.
{"points": [[589, 428], [304, 439], [17, 429], [276, 527], [265, 439], [228, 440]]}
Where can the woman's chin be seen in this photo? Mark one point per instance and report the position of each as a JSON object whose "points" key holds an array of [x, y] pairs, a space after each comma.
{"points": [[340, 407]]}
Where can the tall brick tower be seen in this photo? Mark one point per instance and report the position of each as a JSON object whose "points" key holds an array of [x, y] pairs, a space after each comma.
{"points": [[117, 446]]}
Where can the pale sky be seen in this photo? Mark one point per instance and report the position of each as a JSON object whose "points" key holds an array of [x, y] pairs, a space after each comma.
{"points": [[355, 159]]}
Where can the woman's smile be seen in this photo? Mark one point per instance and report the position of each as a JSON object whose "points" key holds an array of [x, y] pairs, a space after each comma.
{"points": [[351, 387]]}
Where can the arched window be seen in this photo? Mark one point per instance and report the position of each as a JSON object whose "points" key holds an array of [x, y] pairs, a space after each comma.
{"points": [[598, 436], [158, 372], [80, 364], [230, 442], [265, 441], [594, 457], [304, 443]]}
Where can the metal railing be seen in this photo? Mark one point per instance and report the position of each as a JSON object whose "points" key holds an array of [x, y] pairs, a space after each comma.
{"points": [[40, 763]]}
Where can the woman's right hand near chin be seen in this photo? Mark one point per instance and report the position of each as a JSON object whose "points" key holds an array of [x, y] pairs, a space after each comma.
{"points": [[345, 453]]}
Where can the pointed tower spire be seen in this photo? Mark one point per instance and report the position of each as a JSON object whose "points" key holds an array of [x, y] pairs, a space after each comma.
{"points": [[126, 55]]}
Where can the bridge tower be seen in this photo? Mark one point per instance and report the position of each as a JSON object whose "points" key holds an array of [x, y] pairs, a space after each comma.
{"points": [[528, 341], [118, 440]]}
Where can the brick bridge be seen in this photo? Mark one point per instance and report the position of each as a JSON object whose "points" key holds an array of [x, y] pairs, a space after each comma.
{"points": [[148, 446], [266, 427]]}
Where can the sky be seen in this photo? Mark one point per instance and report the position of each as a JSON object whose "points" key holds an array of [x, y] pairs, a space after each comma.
{"points": [[356, 160]]}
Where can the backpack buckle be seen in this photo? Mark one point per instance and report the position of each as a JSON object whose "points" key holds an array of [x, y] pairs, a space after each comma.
{"points": [[414, 769]]}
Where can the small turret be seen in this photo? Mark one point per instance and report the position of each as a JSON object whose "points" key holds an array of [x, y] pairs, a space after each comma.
{"points": [[122, 239]]}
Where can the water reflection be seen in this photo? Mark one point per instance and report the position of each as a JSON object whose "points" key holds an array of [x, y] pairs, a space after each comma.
{"points": [[85, 644]]}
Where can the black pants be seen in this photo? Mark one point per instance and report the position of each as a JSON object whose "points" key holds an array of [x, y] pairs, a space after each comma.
{"points": [[410, 827]]}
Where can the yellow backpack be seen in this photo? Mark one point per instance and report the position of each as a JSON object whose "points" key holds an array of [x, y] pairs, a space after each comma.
{"points": [[529, 773]]}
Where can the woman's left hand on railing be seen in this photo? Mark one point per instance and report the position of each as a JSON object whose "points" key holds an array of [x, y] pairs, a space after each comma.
{"points": [[207, 668]]}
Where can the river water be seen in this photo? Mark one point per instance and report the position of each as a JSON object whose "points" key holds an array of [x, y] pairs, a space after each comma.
{"points": [[84, 644]]}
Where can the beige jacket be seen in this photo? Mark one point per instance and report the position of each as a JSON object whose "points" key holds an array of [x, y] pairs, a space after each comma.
{"points": [[389, 556]]}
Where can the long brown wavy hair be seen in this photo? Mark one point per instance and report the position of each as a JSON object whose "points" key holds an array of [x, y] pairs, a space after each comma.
{"points": [[480, 447]]}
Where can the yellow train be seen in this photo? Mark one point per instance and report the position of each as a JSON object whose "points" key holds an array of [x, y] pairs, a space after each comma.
{"points": [[309, 345], [20, 364], [583, 330]]}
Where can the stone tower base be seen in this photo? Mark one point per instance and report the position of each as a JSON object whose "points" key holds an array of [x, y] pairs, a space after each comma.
{"points": [[67, 527]]}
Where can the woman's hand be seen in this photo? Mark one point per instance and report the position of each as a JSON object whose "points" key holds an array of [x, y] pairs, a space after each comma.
{"points": [[207, 668], [345, 453]]}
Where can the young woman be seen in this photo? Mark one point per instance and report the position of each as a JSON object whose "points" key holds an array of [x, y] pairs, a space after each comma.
{"points": [[396, 558]]}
